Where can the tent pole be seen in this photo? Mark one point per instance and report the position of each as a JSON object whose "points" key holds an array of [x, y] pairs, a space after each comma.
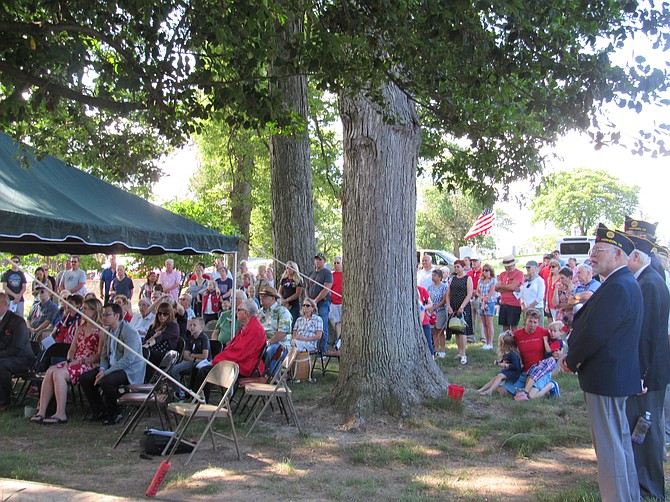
{"points": [[233, 317]]}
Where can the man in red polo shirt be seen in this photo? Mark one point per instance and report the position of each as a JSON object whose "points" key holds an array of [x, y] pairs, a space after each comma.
{"points": [[509, 287]]}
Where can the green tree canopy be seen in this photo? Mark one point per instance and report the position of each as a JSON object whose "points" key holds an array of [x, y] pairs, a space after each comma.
{"points": [[503, 78], [583, 198]]}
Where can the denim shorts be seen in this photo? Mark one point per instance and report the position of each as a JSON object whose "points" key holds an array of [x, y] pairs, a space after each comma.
{"points": [[488, 309], [512, 387]]}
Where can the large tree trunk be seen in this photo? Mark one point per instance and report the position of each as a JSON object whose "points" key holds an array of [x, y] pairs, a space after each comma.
{"points": [[386, 366], [240, 199], [290, 170]]}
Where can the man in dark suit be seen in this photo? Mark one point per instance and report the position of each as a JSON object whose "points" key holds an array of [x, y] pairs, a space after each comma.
{"points": [[655, 367], [16, 355], [646, 230], [604, 351]]}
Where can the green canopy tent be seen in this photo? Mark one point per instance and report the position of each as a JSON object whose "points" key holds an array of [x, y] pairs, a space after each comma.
{"points": [[50, 208]]}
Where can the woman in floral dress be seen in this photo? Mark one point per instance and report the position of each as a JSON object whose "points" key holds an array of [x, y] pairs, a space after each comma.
{"points": [[83, 356]]}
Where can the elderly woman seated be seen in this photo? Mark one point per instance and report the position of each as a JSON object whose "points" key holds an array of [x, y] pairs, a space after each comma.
{"points": [[308, 329], [144, 318], [83, 356]]}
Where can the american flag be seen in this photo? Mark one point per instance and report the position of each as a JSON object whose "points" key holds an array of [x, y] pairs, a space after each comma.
{"points": [[483, 224]]}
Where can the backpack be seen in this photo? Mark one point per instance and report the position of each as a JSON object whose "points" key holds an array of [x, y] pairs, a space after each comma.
{"points": [[154, 442]]}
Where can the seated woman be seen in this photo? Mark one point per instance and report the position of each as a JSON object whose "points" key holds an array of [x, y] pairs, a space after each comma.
{"points": [[308, 328], [144, 318], [162, 336], [66, 326], [83, 356], [124, 303]]}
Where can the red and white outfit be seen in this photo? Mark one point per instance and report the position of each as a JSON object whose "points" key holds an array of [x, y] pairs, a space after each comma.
{"points": [[87, 346]]}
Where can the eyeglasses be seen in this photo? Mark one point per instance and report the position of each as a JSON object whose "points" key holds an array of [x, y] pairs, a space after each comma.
{"points": [[306, 305], [336, 263], [107, 314], [553, 266], [595, 251], [163, 313]]}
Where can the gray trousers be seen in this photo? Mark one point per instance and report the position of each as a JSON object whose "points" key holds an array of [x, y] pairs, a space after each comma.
{"points": [[666, 413], [649, 454], [617, 477]]}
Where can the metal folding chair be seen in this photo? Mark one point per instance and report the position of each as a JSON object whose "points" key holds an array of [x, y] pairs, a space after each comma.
{"points": [[278, 390], [273, 362], [35, 375], [223, 374], [158, 395]]}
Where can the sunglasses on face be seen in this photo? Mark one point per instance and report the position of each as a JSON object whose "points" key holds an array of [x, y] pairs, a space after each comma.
{"points": [[306, 305], [163, 313]]}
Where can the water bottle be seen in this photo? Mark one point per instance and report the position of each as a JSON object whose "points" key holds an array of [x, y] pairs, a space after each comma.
{"points": [[641, 428]]}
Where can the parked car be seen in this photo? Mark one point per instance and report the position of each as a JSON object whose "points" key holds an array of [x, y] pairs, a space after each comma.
{"points": [[440, 258]]}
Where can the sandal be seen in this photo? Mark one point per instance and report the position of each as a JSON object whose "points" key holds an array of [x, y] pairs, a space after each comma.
{"points": [[54, 420], [37, 418]]}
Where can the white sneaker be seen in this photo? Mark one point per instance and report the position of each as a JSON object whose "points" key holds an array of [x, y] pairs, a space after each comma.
{"points": [[441, 355], [464, 360], [488, 346]]}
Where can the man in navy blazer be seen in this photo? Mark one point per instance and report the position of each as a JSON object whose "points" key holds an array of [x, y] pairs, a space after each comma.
{"points": [[655, 368], [15, 352], [604, 352]]}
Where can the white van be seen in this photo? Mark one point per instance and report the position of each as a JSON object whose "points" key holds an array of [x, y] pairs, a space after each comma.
{"points": [[577, 247]]}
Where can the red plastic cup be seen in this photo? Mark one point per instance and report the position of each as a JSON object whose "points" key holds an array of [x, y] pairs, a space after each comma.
{"points": [[456, 392]]}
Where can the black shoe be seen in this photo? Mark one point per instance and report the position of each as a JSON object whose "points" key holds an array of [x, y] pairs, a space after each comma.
{"points": [[115, 419]]}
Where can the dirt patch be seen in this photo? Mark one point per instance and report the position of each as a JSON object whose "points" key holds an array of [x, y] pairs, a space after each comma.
{"points": [[488, 448]]}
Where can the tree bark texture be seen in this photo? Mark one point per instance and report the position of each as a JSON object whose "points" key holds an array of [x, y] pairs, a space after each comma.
{"points": [[386, 367], [241, 200], [290, 169]]}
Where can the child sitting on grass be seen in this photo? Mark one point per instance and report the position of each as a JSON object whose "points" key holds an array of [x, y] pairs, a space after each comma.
{"points": [[509, 361], [553, 350]]}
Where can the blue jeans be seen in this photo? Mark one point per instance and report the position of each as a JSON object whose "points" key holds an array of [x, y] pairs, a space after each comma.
{"points": [[428, 333], [324, 313]]}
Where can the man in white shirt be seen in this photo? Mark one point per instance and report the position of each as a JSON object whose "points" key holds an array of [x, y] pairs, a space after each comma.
{"points": [[532, 290], [424, 277]]}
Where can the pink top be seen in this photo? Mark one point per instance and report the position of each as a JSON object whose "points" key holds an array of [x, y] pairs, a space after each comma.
{"points": [[169, 280]]}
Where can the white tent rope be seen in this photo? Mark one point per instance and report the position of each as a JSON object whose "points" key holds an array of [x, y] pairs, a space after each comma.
{"points": [[270, 257]]}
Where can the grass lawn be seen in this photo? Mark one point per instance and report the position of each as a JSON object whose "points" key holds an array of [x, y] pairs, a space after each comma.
{"points": [[485, 448]]}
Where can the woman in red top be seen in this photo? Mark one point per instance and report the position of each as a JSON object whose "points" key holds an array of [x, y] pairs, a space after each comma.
{"points": [[83, 356]]}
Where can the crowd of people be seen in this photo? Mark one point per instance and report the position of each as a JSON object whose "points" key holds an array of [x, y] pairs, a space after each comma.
{"points": [[172, 314], [606, 320]]}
